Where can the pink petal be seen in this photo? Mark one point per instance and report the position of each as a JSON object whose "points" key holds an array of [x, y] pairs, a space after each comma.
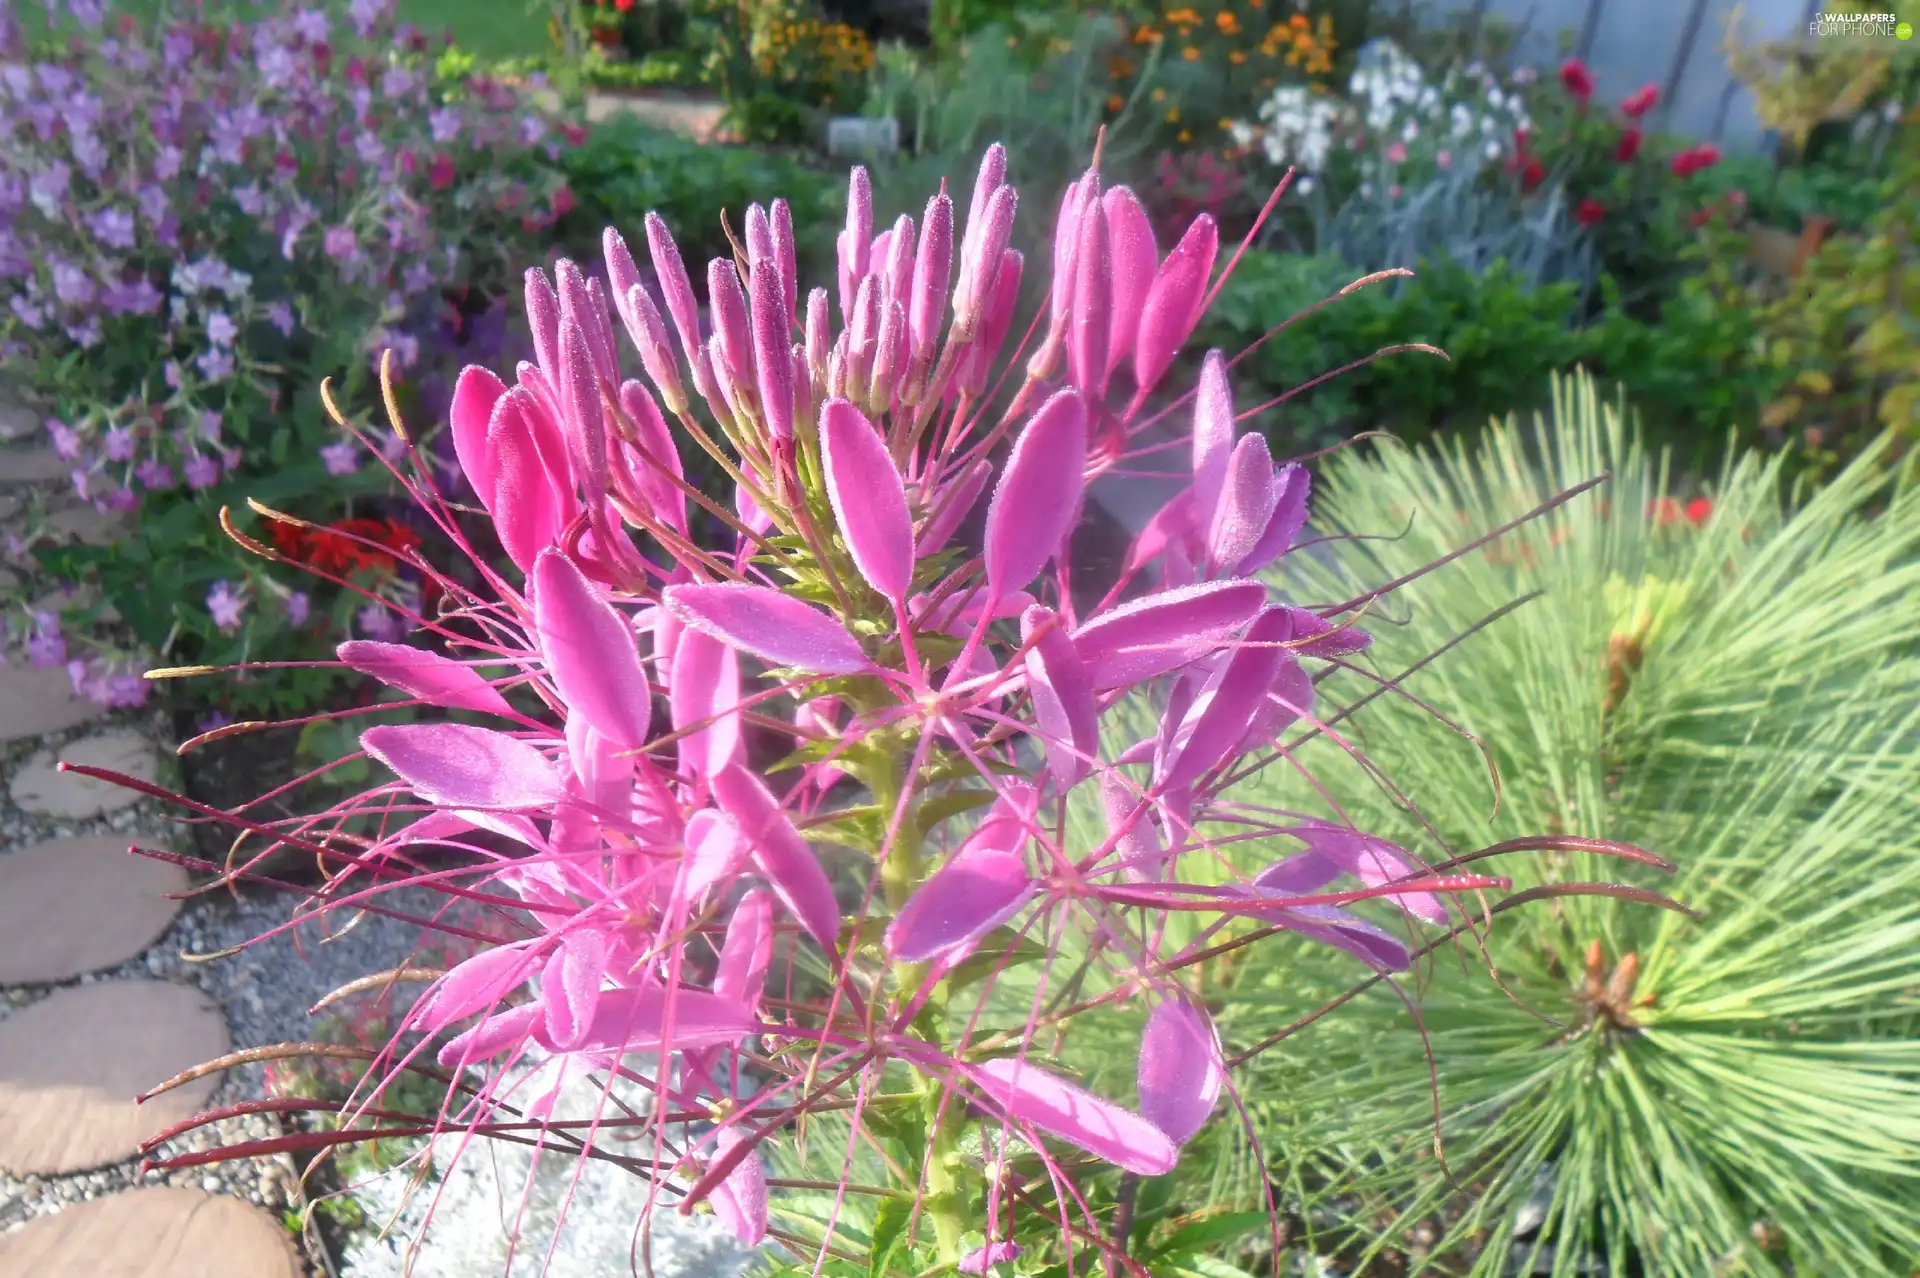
{"points": [[1138, 852], [464, 767], [1212, 437], [980, 887], [528, 506], [869, 499], [1092, 313], [1135, 258], [1333, 926], [1246, 504], [981, 1259], [474, 985], [740, 1201], [1373, 861], [1181, 1069], [1105, 1130], [1291, 698], [635, 1020], [1173, 306], [1323, 637], [1160, 632], [590, 651], [782, 855], [770, 625], [1062, 699], [474, 397], [570, 988], [1038, 497], [543, 317], [656, 459], [495, 1034], [1221, 714], [1292, 484], [706, 689], [747, 951], [951, 507], [429, 676], [606, 775], [716, 849], [932, 273]]}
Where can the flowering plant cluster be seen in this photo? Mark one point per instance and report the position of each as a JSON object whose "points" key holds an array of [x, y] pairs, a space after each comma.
{"points": [[1029, 775], [1396, 129], [199, 221]]}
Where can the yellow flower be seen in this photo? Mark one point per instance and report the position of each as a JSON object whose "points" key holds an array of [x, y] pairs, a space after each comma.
{"points": [[1173, 115], [1159, 95], [1184, 136]]}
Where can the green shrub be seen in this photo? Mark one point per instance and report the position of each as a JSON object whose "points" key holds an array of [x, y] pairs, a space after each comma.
{"points": [[1731, 684]]}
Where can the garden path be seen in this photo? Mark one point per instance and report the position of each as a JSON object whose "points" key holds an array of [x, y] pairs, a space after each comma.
{"points": [[95, 1004]]}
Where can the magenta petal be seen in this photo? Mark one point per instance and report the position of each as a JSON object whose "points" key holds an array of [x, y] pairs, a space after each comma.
{"points": [[981, 1259], [715, 851], [868, 498], [1135, 259], [429, 676], [1373, 861], [772, 322], [656, 458], [1291, 484], [747, 951], [1181, 1069], [932, 273], [1333, 926], [768, 624], [781, 853], [492, 1036], [1138, 852], [952, 506], [705, 689], [1160, 632], [732, 331], [1105, 1130], [1092, 313], [740, 1201], [474, 397], [1212, 437], [1291, 698], [464, 767], [1173, 305], [980, 887], [543, 317], [606, 775], [570, 987], [636, 1020], [474, 985], [1038, 497], [591, 652], [529, 506], [1246, 504], [1315, 636], [1225, 708], [1062, 699]]}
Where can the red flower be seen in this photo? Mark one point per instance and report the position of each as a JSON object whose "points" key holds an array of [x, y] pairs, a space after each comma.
{"points": [[356, 71], [563, 202], [1591, 212], [322, 57], [407, 162], [1665, 512], [1639, 102], [440, 172], [623, 5], [1532, 174], [1629, 147], [1520, 139], [1578, 82], [575, 134], [1698, 510], [1694, 159], [531, 224]]}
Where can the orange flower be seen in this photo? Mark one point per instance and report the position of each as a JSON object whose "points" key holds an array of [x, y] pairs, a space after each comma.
{"points": [[1190, 53], [1115, 102], [1184, 136], [1236, 57], [1298, 22], [1228, 24]]}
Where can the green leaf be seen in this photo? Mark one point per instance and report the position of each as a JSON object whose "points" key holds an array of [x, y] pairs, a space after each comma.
{"points": [[889, 1231], [1195, 1265], [1214, 1231]]}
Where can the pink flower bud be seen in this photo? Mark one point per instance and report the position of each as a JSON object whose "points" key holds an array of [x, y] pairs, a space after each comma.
{"points": [[932, 274], [990, 181], [897, 263], [649, 335], [856, 241], [785, 256], [674, 284], [1247, 498], [995, 320], [759, 235], [1038, 497], [732, 333], [1213, 429], [622, 273], [1173, 306], [772, 361], [890, 357], [1092, 308], [543, 317], [657, 459], [819, 344], [980, 263], [1135, 258], [863, 336]]}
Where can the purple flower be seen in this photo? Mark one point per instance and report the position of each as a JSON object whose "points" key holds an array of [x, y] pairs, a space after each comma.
{"points": [[280, 315], [298, 606], [46, 646], [71, 283], [81, 482], [444, 124], [201, 472], [127, 690], [119, 444], [365, 15], [221, 330], [417, 278], [166, 163], [312, 25], [251, 200], [48, 188], [212, 722], [225, 606], [210, 426], [175, 375], [340, 243], [86, 335], [532, 129], [215, 365], [342, 458], [376, 621], [979, 1260], [155, 474], [153, 204], [66, 440], [113, 227], [27, 313], [122, 500], [88, 13]]}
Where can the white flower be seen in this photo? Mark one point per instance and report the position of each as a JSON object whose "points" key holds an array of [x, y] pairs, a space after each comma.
{"points": [[1304, 184], [1492, 150]]}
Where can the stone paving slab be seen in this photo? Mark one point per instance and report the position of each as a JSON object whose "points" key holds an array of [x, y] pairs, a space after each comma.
{"points": [[40, 788], [33, 466], [80, 905], [36, 700], [151, 1233], [71, 1065]]}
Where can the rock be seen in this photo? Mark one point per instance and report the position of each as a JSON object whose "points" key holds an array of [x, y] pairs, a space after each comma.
{"points": [[71, 1065], [35, 701], [152, 1233], [17, 420], [40, 788], [80, 905], [32, 466], [89, 526]]}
